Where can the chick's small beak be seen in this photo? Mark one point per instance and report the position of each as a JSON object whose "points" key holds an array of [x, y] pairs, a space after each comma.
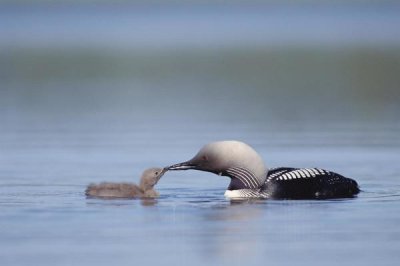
{"points": [[163, 171], [182, 166]]}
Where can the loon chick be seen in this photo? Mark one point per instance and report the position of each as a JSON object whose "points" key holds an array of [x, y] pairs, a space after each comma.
{"points": [[148, 180], [250, 178]]}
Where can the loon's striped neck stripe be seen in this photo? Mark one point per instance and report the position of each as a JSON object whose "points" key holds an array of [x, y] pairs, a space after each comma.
{"points": [[248, 179]]}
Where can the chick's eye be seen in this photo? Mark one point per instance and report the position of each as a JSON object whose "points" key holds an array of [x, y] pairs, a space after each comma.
{"points": [[156, 173]]}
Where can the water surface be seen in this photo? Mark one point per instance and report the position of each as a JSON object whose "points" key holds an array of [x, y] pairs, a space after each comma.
{"points": [[72, 113]]}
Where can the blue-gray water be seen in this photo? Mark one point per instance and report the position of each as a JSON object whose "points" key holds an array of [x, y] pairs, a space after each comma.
{"points": [[89, 95]]}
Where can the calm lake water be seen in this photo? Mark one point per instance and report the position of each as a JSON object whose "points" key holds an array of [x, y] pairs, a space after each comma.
{"points": [[72, 114]]}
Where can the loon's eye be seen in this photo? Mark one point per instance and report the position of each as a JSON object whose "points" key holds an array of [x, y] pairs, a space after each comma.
{"points": [[204, 158]]}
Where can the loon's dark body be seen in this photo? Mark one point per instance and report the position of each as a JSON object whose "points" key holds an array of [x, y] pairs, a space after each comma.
{"points": [[307, 183]]}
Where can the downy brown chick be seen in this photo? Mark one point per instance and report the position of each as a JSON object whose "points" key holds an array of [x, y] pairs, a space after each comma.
{"points": [[145, 189]]}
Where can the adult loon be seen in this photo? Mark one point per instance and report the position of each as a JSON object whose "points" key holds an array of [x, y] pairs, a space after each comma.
{"points": [[250, 178]]}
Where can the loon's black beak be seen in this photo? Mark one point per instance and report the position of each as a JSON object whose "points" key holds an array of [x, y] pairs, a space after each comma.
{"points": [[182, 166]]}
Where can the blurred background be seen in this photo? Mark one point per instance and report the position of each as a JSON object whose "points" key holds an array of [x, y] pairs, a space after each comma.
{"points": [[194, 68], [118, 77], [94, 90]]}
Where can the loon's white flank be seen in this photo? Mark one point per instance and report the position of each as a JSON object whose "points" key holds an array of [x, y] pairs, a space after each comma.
{"points": [[245, 193]]}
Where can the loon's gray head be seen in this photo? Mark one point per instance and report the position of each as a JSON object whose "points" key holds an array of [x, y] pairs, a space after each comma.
{"points": [[229, 158]]}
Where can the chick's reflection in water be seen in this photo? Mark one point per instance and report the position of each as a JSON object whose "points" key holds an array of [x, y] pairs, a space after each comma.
{"points": [[145, 189]]}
